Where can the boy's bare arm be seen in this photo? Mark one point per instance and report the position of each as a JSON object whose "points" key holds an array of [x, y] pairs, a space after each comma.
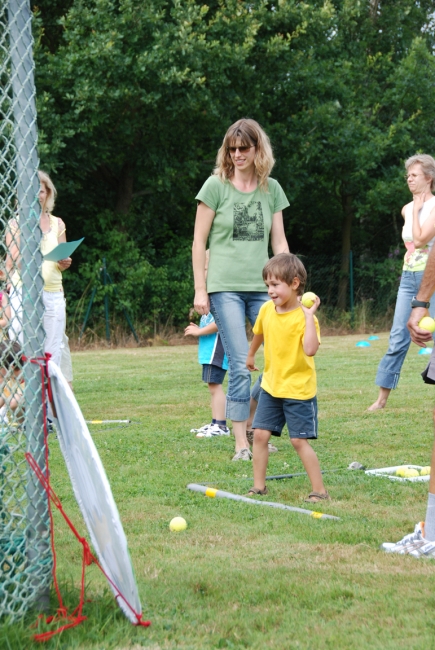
{"points": [[255, 344], [195, 330], [311, 342]]}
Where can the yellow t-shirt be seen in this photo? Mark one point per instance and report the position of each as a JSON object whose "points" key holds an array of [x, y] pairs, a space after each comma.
{"points": [[288, 371], [51, 273]]}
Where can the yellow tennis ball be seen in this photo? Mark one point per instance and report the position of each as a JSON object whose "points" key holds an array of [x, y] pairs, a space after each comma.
{"points": [[400, 471], [427, 323], [308, 299], [410, 473], [425, 471], [177, 524]]}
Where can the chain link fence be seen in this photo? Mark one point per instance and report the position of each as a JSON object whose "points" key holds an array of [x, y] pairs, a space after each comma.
{"points": [[26, 562]]}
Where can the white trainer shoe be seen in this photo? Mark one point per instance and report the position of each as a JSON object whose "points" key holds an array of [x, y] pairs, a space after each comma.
{"points": [[201, 429], [409, 543], [427, 550], [213, 430]]}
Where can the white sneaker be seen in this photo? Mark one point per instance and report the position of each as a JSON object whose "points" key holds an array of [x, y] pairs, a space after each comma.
{"points": [[243, 454], [408, 543], [201, 429], [212, 430], [425, 550], [218, 430]]}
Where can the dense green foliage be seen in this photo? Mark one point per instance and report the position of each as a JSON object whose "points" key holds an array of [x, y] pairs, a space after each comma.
{"points": [[134, 99]]}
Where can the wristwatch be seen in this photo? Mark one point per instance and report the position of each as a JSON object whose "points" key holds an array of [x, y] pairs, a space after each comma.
{"points": [[419, 303]]}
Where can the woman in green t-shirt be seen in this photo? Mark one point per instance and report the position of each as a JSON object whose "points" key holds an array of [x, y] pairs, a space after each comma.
{"points": [[239, 208]]}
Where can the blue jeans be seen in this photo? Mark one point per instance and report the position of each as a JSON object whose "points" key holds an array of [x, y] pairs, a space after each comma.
{"points": [[391, 363], [230, 310]]}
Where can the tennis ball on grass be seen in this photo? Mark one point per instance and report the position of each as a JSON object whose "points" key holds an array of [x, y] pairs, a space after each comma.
{"points": [[308, 299], [425, 471], [427, 323], [400, 471], [177, 524], [410, 473]]}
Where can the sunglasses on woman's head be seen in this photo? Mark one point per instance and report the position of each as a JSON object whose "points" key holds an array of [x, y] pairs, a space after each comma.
{"points": [[241, 149]]}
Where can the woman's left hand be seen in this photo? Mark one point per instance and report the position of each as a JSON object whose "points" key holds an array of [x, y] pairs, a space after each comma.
{"points": [[64, 264]]}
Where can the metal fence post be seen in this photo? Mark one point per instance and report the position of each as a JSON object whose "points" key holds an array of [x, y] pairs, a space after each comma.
{"points": [[25, 138], [351, 296]]}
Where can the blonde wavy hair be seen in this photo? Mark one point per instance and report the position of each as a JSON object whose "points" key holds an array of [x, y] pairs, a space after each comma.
{"points": [[427, 165], [250, 133], [51, 190]]}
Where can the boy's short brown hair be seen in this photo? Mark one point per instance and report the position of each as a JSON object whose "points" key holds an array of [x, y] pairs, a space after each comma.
{"points": [[286, 267]]}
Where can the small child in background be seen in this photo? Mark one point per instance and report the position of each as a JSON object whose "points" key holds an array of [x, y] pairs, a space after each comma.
{"points": [[11, 380], [214, 363], [212, 357], [291, 337]]}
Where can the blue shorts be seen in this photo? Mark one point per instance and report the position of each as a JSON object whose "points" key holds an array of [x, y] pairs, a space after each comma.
{"points": [[213, 374], [274, 412]]}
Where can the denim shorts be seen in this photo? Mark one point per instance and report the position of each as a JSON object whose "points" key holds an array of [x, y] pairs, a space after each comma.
{"points": [[274, 412], [213, 374]]}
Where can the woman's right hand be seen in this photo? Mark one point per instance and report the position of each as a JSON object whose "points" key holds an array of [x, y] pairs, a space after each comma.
{"points": [[419, 200], [201, 302]]}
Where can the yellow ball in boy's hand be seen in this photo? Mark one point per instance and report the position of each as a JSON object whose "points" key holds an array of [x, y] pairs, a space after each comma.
{"points": [[308, 299], [177, 524], [427, 323]]}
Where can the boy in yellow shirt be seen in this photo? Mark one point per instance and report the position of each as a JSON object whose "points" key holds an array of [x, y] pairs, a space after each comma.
{"points": [[291, 337]]}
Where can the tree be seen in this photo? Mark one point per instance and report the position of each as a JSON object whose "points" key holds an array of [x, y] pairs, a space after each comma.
{"points": [[134, 98], [352, 121]]}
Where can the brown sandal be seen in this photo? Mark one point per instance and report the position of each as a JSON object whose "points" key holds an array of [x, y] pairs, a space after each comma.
{"points": [[315, 497], [257, 491]]}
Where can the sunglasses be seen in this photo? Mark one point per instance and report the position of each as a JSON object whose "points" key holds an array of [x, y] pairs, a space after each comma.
{"points": [[241, 149]]}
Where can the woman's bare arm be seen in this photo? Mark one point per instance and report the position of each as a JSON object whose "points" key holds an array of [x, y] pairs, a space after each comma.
{"points": [[203, 223], [278, 239]]}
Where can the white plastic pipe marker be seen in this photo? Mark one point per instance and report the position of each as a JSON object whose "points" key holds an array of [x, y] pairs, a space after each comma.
{"points": [[213, 493]]}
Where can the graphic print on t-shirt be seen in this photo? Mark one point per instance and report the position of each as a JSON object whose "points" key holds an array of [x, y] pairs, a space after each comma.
{"points": [[248, 221]]}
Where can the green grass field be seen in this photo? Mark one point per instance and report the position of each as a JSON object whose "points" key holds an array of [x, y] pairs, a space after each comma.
{"points": [[246, 576]]}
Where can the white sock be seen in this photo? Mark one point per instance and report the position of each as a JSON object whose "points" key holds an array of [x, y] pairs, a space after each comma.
{"points": [[429, 524]]}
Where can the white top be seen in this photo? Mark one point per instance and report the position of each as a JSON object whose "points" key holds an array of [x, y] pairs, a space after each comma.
{"points": [[416, 258]]}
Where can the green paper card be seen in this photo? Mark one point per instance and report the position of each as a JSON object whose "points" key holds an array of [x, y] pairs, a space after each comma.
{"points": [[62, 251]]}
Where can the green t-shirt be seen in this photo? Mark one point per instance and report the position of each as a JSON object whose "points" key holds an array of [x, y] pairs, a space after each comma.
{"points": [[239, 236]]}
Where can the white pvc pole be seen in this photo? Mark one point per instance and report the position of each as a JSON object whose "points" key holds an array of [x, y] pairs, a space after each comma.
{"points": [[213, 493], [108, 421]]}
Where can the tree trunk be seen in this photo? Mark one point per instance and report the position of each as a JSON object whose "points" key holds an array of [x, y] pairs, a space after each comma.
{"points": [[347, 203], [124, 193]]}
